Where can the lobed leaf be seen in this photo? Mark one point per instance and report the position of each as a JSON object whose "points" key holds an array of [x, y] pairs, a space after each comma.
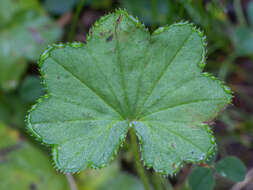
{"points": [[124, 77]]}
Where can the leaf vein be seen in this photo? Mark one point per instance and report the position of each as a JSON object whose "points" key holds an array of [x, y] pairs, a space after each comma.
{"points": [[166, 68], [182, 137], [106, 79], [70, 121], [86, 85], [83, 148], [181, 104]]}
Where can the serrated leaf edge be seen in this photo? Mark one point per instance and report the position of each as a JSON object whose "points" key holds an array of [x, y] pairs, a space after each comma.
{"points": [[46, 53], [179, 165], [29, 127]]}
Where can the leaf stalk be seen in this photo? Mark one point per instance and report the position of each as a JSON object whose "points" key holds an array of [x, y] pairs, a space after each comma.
{"points": [[139, 167]]}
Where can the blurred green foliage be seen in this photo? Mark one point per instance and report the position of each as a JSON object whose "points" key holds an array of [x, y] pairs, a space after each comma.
{"points": [[109, 178], [24, 166], [31, 89], [231, 168], [58, 6], [28, 26], [201, 178], [25, 31], [9, 9]]}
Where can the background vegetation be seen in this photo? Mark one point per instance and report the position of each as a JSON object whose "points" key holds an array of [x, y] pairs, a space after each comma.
{"points": [[28, 26]]}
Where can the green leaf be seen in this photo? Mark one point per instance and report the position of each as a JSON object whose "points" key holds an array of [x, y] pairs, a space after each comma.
{"points": [[124, 77], [201, 178], [23, 39], [110, 178], [100, 4], [8, 137], [122, 181], [212, 158], [24, 166], [250, 13], [242, 38], [11, 8], [92, 179], [11, 70], [28, 35], [143, 10], [59, 6], [13, 110], [31, 89], [232, 168]]}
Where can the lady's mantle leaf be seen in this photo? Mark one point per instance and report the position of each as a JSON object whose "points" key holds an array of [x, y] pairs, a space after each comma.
{"points": [[124, 77]]}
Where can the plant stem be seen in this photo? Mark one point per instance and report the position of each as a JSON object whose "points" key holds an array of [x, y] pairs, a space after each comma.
{"points": [[156, 182], [140, 169], [239, 12], [75, 21], [160, 183], [171, 9], [154, 13], [71, 181]]}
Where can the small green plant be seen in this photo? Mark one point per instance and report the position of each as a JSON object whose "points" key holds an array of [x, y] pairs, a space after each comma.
{"points": [[229, 167], [125, 79]]}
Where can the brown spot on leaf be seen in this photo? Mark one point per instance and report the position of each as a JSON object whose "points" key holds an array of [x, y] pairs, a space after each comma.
{"points": [[172, 145], [117, 24], [118, 20]]}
